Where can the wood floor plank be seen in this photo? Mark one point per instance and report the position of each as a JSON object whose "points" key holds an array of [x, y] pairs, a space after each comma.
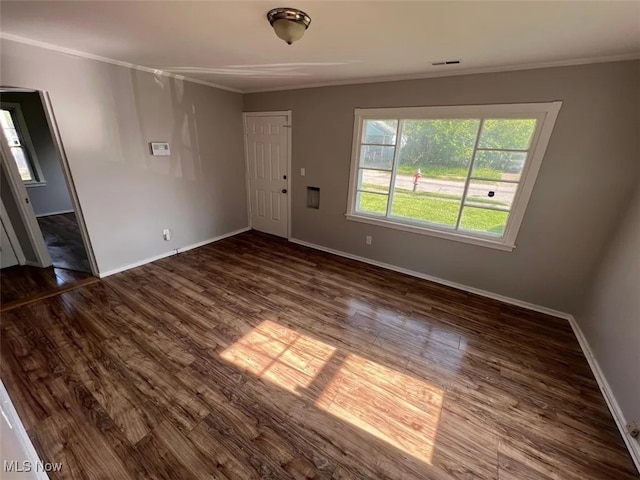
{"points": [[62, 235], [185, 454], [254, 358], [78, 444]]}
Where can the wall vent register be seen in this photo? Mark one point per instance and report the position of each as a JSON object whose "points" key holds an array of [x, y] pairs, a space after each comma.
{"points": [[313, 197]]}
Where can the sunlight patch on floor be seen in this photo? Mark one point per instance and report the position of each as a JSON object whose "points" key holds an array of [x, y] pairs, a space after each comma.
{"points": [[280, 355], [387, 404], [391, 406]]}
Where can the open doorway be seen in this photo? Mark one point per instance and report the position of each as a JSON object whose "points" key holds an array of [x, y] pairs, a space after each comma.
{"points": [[44, 241], [25, 127]]}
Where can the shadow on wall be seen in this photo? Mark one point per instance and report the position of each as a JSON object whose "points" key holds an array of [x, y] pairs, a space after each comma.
{"points": [[156, 108], [185, 132]]}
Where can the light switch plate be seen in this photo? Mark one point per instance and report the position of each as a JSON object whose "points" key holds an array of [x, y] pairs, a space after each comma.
{"points": [[160, 149]]}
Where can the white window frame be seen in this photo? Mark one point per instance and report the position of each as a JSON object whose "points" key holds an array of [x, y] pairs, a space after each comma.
{"points": [[23, 133], [545, 114]]}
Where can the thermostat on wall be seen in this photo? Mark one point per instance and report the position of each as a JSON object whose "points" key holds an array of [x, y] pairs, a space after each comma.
{"points": [[160, 148]]}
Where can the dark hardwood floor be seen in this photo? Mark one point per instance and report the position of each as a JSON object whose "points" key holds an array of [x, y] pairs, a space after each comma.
{"points": [[20, 285], [64, 242], [254, 358]]}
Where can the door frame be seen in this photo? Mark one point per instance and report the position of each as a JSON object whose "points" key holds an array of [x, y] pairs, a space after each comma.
{"points": [[45, 98], [19, 191], [245, 134]]}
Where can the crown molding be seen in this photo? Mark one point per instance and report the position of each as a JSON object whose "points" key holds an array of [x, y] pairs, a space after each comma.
{"points": [[456, 71], [90, 56]]}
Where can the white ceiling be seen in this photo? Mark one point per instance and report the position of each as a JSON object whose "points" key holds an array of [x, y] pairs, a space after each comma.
{"points": [[231, 43]]}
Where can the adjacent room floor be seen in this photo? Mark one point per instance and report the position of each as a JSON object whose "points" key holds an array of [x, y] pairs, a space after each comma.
{"points": [[64, 242], [20, 285], [254, 358]]}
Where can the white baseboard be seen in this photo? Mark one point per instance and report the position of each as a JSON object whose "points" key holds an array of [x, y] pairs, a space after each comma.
{"points": [[136, 264], [424, 276], [31, 263], [54, 213], [632, 444], [172, 252]]}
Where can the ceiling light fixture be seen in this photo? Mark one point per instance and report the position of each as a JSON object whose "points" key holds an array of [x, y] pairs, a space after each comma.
{"points": [[289, 23]]}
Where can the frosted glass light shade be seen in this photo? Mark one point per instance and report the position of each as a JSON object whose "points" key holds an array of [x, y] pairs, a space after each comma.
{"points": [[288, 30]]}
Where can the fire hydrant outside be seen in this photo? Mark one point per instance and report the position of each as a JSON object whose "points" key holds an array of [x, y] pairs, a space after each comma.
{"points": [[416, 179]]}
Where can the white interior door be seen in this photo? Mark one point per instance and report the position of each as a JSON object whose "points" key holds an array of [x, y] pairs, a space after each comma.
{"points": [[21, 198], [267, 148], [8, 257]]}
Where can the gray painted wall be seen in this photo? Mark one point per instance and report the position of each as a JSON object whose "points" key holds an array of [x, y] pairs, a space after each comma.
{"points": [[107, 115], [587, 177], [54, 196], [610, 317]]}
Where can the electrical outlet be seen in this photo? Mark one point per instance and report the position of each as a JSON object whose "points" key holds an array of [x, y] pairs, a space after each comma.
{"points": [[368, 240], [302, 172], [166, 234], [633, 429]]}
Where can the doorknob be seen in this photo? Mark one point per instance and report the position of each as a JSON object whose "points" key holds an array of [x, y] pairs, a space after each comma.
{"points": [[284, 190]]}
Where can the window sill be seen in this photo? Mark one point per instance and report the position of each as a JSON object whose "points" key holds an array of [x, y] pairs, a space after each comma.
{"points": [[35, 184], [432, 232]]}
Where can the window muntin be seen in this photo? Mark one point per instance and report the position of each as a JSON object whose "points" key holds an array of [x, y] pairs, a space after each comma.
{"points": [[443, 152], [19, 150], [471, 164]]}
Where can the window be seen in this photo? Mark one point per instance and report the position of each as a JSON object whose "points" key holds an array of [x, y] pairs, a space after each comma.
{"points": [[464, 173], [15, 131]]}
